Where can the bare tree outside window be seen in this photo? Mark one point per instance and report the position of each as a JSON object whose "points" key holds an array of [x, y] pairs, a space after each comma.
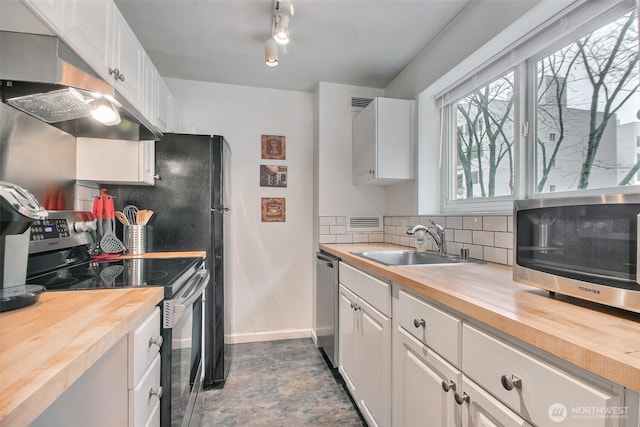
{"points": [[587, 94], [484, 140]]}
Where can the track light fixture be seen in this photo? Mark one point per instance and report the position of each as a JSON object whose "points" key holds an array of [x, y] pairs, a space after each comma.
{"points": [[271, 53], [279, 32]]}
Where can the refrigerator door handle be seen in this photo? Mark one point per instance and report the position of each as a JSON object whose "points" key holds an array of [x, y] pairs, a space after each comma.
{"points": [[220, 209]]}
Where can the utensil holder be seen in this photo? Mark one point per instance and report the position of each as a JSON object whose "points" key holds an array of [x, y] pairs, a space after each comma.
{"points": [[134, 237]]}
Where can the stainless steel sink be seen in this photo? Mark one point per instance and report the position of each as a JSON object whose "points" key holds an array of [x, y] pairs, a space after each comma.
{"points": [[400, 257]]}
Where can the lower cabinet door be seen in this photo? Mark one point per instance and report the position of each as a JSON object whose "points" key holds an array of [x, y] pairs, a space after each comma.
{"points": [[374, 365], [480, 409], [347, 337], [419, 398], [144, 397]]}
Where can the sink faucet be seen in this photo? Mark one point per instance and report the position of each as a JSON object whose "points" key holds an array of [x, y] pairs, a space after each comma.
{"points": [[438, 235]]}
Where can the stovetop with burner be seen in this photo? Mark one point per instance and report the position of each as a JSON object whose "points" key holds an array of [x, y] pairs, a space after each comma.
{"points": [[120, 274], [59, 260]]}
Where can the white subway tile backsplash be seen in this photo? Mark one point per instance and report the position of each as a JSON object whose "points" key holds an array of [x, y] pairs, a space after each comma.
{"points": [[472, 222], [454, 222], [494, 223], [327, 238], [463, 236], [504, 240], [344, 238], [327, 220], [338, 229], [498, 255], [376, 238], [360, 238], [484, 238], [487, 237]]}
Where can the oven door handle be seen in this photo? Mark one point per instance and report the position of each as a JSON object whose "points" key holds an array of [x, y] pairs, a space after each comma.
{"points": [[183, 303]]}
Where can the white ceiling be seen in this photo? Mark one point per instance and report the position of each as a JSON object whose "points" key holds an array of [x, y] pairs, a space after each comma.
{"points": [[355, 42]]}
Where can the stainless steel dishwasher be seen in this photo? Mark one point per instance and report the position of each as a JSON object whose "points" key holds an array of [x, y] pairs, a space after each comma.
{"points": [[326, 326]]}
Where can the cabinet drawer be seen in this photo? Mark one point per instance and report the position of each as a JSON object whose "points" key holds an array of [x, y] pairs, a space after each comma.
{"points": [[144, 397], [143, 346], [482, 409], [375, 291], [431, 326], [490, 363]]}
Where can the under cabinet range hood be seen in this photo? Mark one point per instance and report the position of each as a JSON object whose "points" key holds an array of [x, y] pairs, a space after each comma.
{"points": [[41, 76]]}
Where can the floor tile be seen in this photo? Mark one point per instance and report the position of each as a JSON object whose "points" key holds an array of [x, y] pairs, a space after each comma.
{"points": [[279, 383]]}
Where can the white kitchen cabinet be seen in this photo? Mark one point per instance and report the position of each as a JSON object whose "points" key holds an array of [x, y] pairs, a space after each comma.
{"points": [[365, 345], [382, 146], [419, 398], [176, 115], [163, 111], [128, 58], [480, 409], [144, 371], [530, 387], [88, 31], [115, 161]]}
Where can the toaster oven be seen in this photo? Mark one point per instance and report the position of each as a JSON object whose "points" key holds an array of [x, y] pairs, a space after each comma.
{"points": [[585, 247]]}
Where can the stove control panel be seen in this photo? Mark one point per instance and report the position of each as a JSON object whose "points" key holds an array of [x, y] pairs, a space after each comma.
{"points": [[49, 229], [60, 230]]}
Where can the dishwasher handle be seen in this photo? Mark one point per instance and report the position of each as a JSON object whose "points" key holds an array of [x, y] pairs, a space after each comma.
{"points": [[328, 259]]}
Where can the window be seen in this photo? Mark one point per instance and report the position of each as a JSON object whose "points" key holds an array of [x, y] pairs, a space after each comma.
{"points": [[580, 90], [483, 152], [586, 94]]}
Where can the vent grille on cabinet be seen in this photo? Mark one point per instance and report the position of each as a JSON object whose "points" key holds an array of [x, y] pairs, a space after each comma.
{"points": [[359, 103], [364, 223]]}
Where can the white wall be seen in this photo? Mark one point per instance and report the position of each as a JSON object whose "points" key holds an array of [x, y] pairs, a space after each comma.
{"points": [[271, 263], [468, 33], [337, 196]]}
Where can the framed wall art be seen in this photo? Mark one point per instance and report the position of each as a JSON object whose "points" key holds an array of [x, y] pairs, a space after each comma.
{"points": [[274, 209], [273, 176], [274, 147]]}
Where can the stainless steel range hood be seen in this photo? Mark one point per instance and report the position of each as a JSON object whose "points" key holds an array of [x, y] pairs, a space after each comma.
{"points": [[36, 73]]}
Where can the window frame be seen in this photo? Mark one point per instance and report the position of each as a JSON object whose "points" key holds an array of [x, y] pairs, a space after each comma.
{"points": [[524, 111]]}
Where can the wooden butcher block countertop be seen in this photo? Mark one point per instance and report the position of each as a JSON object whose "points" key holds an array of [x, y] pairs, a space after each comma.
{"points": [[601, 340], [45, 347]]}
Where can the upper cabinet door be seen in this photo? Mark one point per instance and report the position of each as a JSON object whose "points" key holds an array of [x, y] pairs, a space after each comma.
{"points": [[127, 57], [88, 31]]}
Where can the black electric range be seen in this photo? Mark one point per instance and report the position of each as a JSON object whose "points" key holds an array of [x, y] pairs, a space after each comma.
{"points": [[121, 273], [61, 258]]}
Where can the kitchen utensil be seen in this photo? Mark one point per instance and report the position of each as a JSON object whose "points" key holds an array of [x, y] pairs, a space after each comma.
{"points": [[110, 243], [98, 209], [133, 237], [109, 274], [130, 211], [122, 218]]}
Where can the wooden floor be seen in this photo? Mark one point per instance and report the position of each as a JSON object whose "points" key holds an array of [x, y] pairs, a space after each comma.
{"points": [[279, 383]]}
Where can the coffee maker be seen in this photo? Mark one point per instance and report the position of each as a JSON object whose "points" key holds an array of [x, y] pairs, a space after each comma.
{"points": [[18, 209]]}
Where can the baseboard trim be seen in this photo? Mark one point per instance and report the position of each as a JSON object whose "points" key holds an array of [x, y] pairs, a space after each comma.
{"points": [[269, 336]]}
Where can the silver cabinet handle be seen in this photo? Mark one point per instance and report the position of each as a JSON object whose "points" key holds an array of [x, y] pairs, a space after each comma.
{"points": [[450, 385], [509, 382], [417, 323], [157, 392], [461, 399], [115, 72], [157, 341]]}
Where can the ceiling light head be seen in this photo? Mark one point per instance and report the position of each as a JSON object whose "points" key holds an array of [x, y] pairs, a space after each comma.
{"points": [[270, 53], [105, 112], [281, 34]]}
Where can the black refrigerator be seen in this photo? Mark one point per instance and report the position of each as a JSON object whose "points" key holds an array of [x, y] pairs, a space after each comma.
{"points": [[191, 199]]}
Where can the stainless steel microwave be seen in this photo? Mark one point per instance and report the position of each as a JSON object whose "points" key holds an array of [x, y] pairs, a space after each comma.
{"points": [[585, 247]]}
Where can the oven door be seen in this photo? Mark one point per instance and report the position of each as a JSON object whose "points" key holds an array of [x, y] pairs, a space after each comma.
{"points": [[182, 360]]}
